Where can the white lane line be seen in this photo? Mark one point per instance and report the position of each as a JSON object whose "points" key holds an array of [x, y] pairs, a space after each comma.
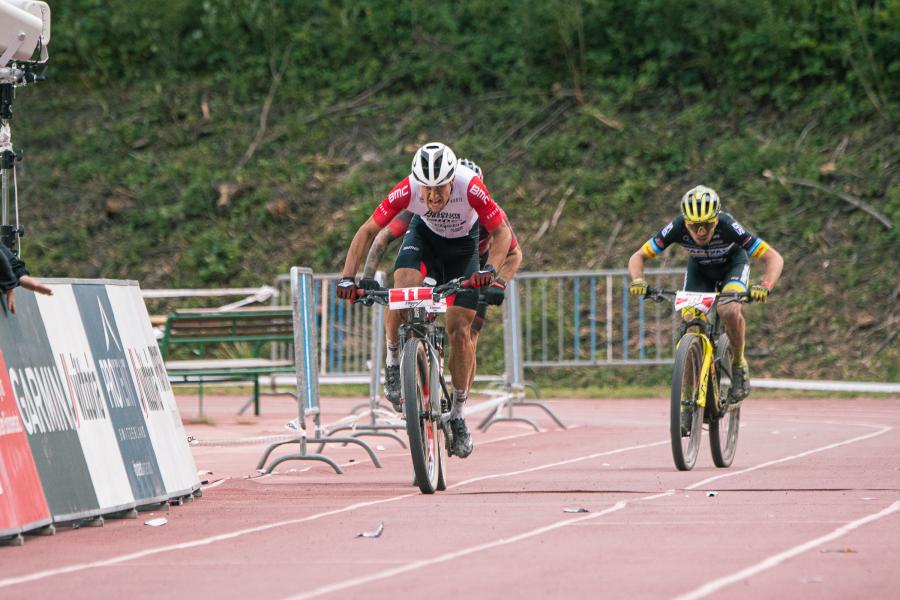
{"points": [[558, 464], [185, 545], [776, 559], [349, 583], [241, 532], [10, 581], [860, 438], [419, 564]]}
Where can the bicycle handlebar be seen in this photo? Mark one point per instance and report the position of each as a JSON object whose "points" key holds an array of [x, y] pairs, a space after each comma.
{"points": [[658, 293], [381, 295]]}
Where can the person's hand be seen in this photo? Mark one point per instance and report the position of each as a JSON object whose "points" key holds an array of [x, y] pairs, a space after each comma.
{"points": [[482, 278], [638, 287], [10, 300], [368, 283], [759, 292], [494, 293], [30, 283], [346, 288]]}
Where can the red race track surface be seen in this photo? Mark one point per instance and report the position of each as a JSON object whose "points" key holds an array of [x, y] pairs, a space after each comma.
{"points": [[810, 509]]}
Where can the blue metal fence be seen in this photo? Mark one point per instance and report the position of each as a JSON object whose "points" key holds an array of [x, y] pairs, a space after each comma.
{"points": [[591, 320], [571, 318]]}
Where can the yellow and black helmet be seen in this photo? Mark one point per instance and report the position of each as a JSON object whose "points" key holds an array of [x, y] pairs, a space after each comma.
{"points": [[700, 204]]}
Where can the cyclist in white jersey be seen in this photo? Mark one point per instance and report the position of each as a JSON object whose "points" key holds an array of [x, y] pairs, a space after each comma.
{"points": [[448, 200]]}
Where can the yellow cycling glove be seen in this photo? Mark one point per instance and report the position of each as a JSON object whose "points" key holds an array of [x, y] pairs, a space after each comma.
{"points": [[638, 287], [759, 292]]}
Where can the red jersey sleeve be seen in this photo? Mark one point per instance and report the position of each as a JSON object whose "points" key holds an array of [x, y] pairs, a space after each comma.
{"points": [[396, 201], [400, 223], [480, 199]]}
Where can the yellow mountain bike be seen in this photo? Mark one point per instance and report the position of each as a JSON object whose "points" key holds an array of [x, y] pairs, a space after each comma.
{"points": [[699, 392]]}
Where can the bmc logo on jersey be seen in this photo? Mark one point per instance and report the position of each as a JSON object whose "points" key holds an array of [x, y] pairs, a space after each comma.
{"points": [[398, 193], [478, 193]]}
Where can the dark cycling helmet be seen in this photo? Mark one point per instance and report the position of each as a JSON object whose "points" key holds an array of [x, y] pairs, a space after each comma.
{"points": [[434, 164], [471, 164], [700, 204]]}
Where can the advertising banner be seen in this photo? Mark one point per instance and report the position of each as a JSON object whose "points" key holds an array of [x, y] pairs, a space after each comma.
{"points": [[46, 411], [126, 409], [93, 422], [22, 502], [152, 383]]}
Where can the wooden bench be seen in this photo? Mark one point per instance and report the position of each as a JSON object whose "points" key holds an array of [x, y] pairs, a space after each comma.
{"points": [[202, 346]]}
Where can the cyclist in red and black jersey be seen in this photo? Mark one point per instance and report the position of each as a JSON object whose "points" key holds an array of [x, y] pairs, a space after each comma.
{"points": [[719, 249], [492, 295], [447, 199]]}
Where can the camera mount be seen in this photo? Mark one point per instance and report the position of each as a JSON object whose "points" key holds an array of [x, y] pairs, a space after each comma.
{"points": [[10, 78], [24, 35]]}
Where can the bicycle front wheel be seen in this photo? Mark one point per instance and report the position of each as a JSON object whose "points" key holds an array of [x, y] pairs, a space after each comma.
{"points": [[421, 428], [725, 426], [686, 415]]}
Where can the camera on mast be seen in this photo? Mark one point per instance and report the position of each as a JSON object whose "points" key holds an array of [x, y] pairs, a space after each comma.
{"points": [[24, 31]]}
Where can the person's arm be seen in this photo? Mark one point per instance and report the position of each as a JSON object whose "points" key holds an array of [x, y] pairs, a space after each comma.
{"points": [[500, 239], [382, 242], [493, 220], [511, 264], [359, 246], [30, 283], [658, 243], [759, 249], [774, 263], [636, 264]]}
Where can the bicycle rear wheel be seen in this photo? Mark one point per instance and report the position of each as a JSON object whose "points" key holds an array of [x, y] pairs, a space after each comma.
{"points": [[724, 428], [686, 416], [421, 428]]}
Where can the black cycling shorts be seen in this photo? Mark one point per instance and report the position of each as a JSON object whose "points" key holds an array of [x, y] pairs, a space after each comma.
{"points": [[735, 270], [444, 258]]}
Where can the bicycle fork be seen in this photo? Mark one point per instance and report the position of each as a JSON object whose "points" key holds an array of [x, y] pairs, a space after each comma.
{"points": [[707, 369]]}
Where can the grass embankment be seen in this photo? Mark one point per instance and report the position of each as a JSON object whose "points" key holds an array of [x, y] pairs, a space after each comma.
{"points": [[235, 161]]}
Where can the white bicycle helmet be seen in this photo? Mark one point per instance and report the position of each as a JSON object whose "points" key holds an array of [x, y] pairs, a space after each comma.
{"points": [[434, 164]]}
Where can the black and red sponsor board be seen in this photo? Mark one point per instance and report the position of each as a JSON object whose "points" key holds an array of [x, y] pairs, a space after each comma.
{"points": [[22, 503], [46, 413]]}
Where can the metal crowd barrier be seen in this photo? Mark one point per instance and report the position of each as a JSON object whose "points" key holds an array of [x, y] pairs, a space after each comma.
{"points": [[587, 318], [345, 331], [565, 319]]}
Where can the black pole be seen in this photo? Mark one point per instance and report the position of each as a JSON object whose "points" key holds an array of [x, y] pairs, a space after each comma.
{"points": [[7, 93]]}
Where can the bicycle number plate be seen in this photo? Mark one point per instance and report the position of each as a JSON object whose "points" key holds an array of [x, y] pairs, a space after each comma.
{"points": [[421, 297], [702, 301]]}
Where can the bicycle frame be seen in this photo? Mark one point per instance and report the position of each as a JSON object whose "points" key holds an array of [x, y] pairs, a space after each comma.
{"points": [[426, 400], [694, 370], [707, 370], [709, 330], [422, 325]]}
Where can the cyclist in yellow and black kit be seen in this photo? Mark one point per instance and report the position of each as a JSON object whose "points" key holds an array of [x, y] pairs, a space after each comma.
{"points": [[720, 249]]}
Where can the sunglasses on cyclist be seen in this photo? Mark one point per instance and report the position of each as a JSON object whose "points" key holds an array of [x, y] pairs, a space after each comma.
{"points": [[701, 226]]}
